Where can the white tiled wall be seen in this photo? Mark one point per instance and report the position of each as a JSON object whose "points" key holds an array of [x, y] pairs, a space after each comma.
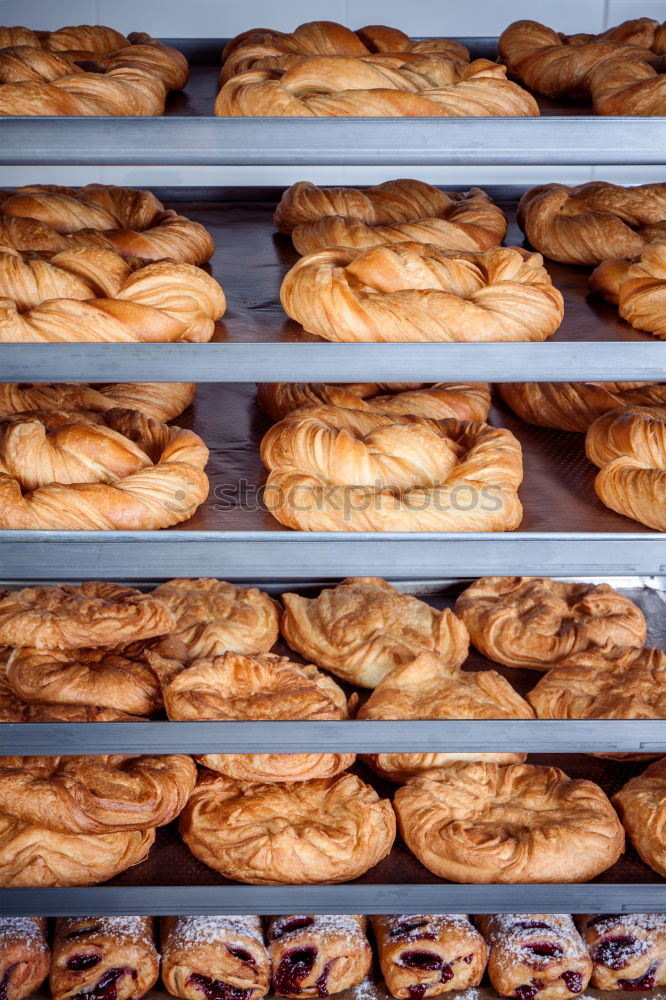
{"points": [[223, 18]]}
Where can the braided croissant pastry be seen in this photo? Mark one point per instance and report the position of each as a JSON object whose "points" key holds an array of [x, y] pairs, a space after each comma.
{"points": [[399, 211], [131, 222], [573, 406], [24, 956], [103, 958], [91, 294], [387, 85], [113, 470], [592, 222], [160, 400], [86, 70], [432, 688], [626, 87], [537, 623], [462, 400], [641, 804], [318, 955], [637, 287], [629, 447], [562, 65], [214, 957], [417, 292], [628, 950]]}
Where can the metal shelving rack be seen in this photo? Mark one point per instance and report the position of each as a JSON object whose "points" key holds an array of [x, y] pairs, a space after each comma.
{"points": [[196, 137]]}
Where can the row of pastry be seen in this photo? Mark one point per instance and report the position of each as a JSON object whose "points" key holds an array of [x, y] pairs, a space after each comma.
{"points": [[549, 956]]}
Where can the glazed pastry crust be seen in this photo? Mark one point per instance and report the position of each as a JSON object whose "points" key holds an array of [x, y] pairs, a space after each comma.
{"points": [[641, 804], [627, 950], [364, 627], [626, 87], [24, 955], [121, 945], [479, 822], [316, 956], [308, 833], [538, 623], [201, 951], [573, 406], [638, 287], [429, 688], [96, 795], [159, 400], [455, 953]]}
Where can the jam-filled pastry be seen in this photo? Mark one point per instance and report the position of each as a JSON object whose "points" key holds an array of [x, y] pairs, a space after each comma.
{"points": [[315, 956], [103, 958], [641, 804], [214, 957], [24, 956], [628, 950], [535, 955], [423, 955]]}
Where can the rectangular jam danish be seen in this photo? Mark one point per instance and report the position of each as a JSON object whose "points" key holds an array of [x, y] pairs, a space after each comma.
{"points": [[425, 954], [535, 955], [103, 958], [24, 956], [214, 957], [315, 956], [628, 950]]}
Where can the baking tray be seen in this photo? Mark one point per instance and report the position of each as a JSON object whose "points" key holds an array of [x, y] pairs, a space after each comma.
{"points": [[256, 340]]}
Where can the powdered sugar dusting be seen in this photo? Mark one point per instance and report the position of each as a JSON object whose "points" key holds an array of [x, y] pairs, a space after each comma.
{"points": [[432, 923], [367, 990], [113, 927], [26, 928], [325, 926], [190, 931], [506, 933]]}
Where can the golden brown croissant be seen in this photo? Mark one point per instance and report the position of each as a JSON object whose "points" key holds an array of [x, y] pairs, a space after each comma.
{"points": [[534, 622], [94, 294], [113, 470], [24, 956], [627, 949], [318, 955], [625, 87], [131, 222], [393, 85], [332, 469], [641, 804], [462, 400], [73, 617], [399, 211], [160, 400], [629, 447], [562, 65], [417, 292], [103, 957], [638, 287], [431, 687], [573, 406], [592, 222]]}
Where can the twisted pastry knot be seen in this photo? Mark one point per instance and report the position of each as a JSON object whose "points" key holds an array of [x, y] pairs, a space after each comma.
{"points": [[573, 406], [91, 294], [107, 793], [83, 470], [592, 222], [386, 85], [629, 447], [626, 87], [563, 65], [637, 287], [462, 400], [334, 469], [86, 70], [327, 38], [158, 400], [395, 212], [131, 222], [418, 292]]}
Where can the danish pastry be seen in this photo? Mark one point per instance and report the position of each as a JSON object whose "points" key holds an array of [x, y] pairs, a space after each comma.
{"points": [[537, 623], [628, 950], [463, 401], [431, 688], [103, 957], [629, 448], [350, 470], [72, 617], [90, 294], [76, 713], [131, 222], [12, 708], [307, 833], [159, 400], [110, 471], [24, 956], [213, 957], [479, 822], [592, 222], [394, 212], [364, 627], [108, 793], [573, 406], [418, 292], [423, 954], [638, 287], [213, 617], [318, 955], [535, 955], [641, 804]]}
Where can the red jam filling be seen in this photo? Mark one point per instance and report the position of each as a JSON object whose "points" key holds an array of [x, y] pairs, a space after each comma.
{"points": [[468, 959], [529, 990], [321, 982], [528, 925], [80, 931], [424, 960], [417, 991], [4, 982], [294, 966], [242, 955], [542, 951], [106, 987], [599, 918], [645, 982], [405, 926], [216, 989], [77, 963], [295, 924], [573, 981], [616, 951]]}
